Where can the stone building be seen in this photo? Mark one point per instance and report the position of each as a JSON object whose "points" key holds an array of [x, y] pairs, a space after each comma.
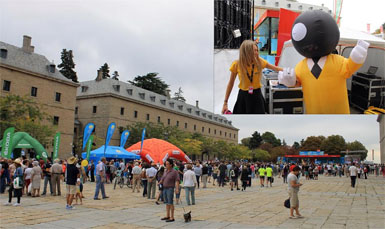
{"points": [[108, 100], [26, 73]]}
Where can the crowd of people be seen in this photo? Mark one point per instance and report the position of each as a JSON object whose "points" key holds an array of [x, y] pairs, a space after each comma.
{"points": [[161, 183]]}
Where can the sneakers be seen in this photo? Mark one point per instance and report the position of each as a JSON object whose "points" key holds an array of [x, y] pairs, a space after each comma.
{"points": [[17, 204], [70, 207], [7, 204]]}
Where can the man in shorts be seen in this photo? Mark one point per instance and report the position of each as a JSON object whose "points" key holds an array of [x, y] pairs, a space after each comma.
{"points": [[72, 174], [170, 182], [294, 185], [261, 172], [269, 175]]}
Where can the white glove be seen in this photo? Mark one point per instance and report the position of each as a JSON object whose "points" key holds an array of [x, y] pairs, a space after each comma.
{"points": [[359, 52], [287, 77]]}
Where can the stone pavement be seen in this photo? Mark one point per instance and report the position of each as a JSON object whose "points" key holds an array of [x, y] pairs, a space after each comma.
{"points": [[329, 202]]}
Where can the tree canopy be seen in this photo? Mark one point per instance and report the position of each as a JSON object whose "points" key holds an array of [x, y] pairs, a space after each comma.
{"points": [[67, 65], [151, 82], [179, 95]]}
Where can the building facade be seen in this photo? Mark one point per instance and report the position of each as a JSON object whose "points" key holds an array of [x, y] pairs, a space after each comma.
{"points": [[109, 100], [381, 120], [26, 73]]}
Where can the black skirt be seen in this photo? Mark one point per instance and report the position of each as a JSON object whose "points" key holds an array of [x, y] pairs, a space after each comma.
{"points": [[250, 103]]}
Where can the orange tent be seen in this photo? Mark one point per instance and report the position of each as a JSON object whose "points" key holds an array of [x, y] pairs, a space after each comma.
{"points": [[158, 151]]}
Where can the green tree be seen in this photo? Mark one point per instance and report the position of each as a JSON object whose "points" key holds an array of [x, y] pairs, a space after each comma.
{"points": [[246, 141], [269, 137], [105, 69], [151, 82], [278, 151], [260, 155], [267, 147], [67, 66], [284, 142], [115, 75], [255, 141], [334, 144], [28, 116], [312, 143], [179, 95], [356, 145], [296, 145]]}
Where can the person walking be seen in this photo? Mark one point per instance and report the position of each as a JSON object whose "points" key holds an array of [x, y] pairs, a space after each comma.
{"points": [[27, 178], [353, 175], [244, 177], [47, 177], [100, 179], [143, 178], [205, 174], [169, 181], [198, 172], [56, 172], [261, 172], [285, 173], [222, 174], [136, 171], [72, 174], [189, 183], [159, 176], [293, 192], [269, 175], [16, 186], [151, 181], [92, 171]]}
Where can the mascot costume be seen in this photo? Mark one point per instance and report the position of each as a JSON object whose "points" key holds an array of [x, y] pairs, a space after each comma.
{"points": [[322, 74]]}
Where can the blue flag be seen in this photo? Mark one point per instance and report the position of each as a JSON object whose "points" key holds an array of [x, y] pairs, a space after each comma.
{"points": [[87, 133], [143, 135], [110, 131], [124, 137]]}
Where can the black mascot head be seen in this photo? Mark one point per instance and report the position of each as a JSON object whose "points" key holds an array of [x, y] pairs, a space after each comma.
{"points": [[315, 34]]}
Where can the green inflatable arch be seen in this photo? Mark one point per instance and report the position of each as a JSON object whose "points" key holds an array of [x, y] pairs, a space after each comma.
{"points": [[22, 136]]}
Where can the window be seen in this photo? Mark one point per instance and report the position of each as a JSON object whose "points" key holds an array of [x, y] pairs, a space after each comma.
{"points": [[168, 121], [56, 120], [235, 136], [33, 91], [129, 91], [220, 133], [209, 130], [215, 132], [158, 119], [142, 95], [116, 87], [94, 109], [57, 96], [84, 88], [76, 110], [148, 117], [122, 111], [229, 135], [203, 129], [185, 125], [195, 127], [152, 98], [172, 104], [135, 114], [6, 85], [163, 101], [225, 134], [177, 123]]}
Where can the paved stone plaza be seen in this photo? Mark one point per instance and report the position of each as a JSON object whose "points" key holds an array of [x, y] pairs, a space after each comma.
{"points": [[327, 203]]}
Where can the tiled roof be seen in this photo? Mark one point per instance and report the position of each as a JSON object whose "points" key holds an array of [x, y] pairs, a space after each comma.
{"points": [[33, 62], [105, 86]]}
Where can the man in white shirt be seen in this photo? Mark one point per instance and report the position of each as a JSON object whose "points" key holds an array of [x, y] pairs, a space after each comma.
{"points": [[100, 179], [136, 171], [151, 181], [189, 183], [353, 174]]}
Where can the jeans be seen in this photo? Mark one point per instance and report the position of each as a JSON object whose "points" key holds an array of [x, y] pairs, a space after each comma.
{"points": [[2, 184], [99, 186], [47, 179], [353, 180], [190, 190], [221, 180], [144, 182], [198, 178], [168, 195]]}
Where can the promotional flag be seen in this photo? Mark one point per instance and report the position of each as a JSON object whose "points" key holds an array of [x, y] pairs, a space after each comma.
{"points": [[87, 133], [56, 145], [89, 146], [6, 148], [110, 131], [124, 137], [143, 135]]}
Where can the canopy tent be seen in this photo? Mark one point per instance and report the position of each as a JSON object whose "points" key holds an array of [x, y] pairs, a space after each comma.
{"points": [[112, 152], [24, 140], [158, 151]]}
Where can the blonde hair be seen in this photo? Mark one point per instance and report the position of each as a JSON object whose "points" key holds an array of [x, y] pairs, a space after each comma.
{"points": [[247, 57]]}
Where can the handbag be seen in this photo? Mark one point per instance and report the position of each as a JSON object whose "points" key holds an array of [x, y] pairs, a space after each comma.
{"points": [[17, 183], [287, 203]]}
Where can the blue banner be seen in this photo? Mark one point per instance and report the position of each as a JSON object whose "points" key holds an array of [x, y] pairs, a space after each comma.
{"points": [[124, 137], [110, 131], [87, 133], [311, 153], [143, 135]]}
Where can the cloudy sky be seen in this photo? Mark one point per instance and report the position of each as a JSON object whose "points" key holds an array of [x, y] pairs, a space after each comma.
{"points": [[172, 37], [363, 128]]}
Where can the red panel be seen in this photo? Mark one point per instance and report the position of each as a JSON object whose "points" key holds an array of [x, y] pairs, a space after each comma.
{"points": [[286, 21], [268, 13]]}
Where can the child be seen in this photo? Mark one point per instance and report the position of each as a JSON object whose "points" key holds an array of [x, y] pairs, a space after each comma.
{"points": [[78, 194], [249, 70]]}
